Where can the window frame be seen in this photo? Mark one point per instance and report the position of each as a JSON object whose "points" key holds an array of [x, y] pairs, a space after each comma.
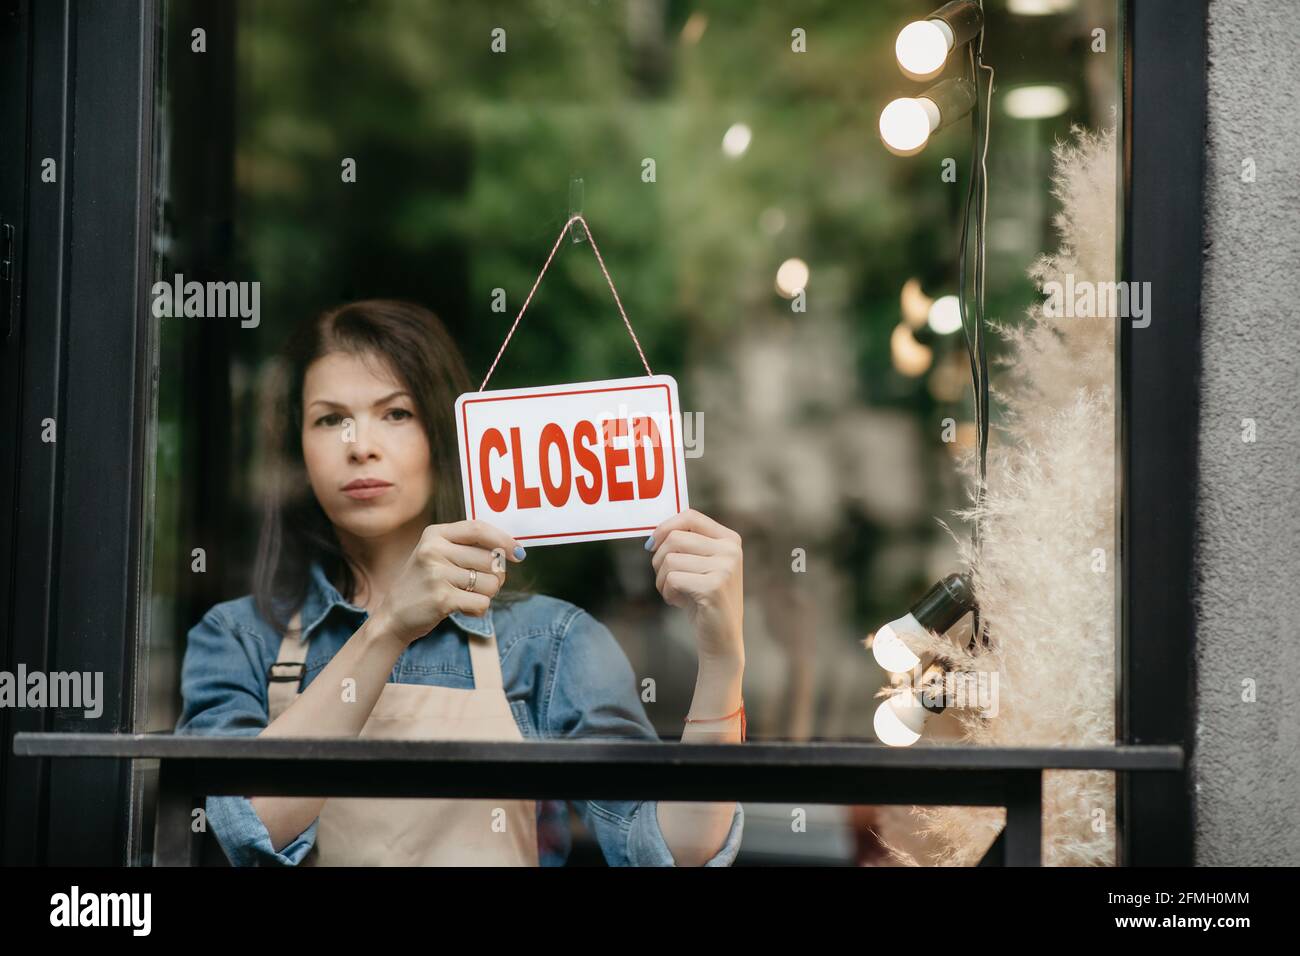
{"points": [[85, 346], [1163, 154], [81, 352]]}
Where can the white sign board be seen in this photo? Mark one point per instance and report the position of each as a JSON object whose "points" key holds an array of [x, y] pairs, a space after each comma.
{"points": [[579, 462]]}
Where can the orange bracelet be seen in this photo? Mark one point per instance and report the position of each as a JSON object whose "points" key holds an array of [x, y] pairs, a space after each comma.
{"points": [[740, 710]]}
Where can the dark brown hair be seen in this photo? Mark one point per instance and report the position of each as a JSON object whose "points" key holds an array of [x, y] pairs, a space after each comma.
{"points": [[295, 529]]}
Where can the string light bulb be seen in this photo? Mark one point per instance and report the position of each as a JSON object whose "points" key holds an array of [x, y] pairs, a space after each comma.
{"points": [[907, 123], [900, 720], [946, 603], [923, 46]]}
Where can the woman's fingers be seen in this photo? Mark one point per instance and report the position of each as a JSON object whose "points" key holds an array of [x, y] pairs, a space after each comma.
{"points": [[681, 588], [485, 583], [696, 521], [682, 562], [698, 565], [684, 542], [480, 559], [484, 535], [470, 602]]}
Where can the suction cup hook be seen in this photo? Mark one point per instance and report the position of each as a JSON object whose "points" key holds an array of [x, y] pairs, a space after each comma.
{"points": [[576, 234]]}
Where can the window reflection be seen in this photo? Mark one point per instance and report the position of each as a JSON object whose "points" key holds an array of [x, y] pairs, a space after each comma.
{"points": [[795, 278]]}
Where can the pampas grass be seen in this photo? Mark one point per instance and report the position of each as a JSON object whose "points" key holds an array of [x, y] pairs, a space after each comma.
{"points": [[1044, 575]]}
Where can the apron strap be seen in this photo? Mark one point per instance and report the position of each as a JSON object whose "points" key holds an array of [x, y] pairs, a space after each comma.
{"points": [[286, 673], [486, 662]]}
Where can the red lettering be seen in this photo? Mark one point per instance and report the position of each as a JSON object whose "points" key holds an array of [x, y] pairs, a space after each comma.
{"points": [[553, 434], [614, 458], [497, 500], [579, 464], [525, 497], [644, 426], [584, 435]]}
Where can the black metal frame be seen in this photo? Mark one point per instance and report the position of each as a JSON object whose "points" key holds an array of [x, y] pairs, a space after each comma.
{"points": [[194, 766], [83, 350], [1163, 148], [81, 353]]}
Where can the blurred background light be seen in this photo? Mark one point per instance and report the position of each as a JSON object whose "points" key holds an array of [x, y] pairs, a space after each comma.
{"points": [[771, 220], [950, 379], [694, 27], [736, 140], [1035, 102], [791, 277], [1038, 8], [914, 303], [965, 439], [945, 315], [910, 357]]}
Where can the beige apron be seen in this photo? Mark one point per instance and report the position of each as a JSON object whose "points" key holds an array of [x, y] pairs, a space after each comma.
{"points": [[411, 831]]}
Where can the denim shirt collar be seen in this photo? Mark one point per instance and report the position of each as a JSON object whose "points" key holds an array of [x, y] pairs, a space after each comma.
{"points": [[322, 595]]}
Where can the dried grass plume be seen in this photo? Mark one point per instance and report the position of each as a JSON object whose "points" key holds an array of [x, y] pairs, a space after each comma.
{"points": [[1044, 576]]}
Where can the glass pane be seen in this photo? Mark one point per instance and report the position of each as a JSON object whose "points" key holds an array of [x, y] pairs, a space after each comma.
{"points": [[794, 276]]}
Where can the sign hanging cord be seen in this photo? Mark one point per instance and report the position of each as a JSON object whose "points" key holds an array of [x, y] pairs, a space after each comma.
{"points": [[599, 259]]}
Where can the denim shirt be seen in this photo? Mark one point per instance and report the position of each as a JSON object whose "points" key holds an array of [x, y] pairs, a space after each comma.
{"points": [[564, 675]]}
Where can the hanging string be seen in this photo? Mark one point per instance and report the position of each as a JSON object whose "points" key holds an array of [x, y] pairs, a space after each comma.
{"points": [[594, 248], [973, 330], [970, 323], [981, 263]]}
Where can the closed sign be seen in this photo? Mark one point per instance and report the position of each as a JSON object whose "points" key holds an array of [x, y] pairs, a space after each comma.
{"points": [[578, 462]]}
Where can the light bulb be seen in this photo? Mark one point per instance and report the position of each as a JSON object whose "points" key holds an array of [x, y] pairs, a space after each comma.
{"points": [[938, 609], [736, 140], [791, 276], [1036, 102], [945, 315], [900, 719], [906, 124], [914, 303], [889, 649], [922, 48]]}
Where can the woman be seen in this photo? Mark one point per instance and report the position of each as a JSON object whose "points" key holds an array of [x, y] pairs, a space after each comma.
{"points": [[377, 612]]}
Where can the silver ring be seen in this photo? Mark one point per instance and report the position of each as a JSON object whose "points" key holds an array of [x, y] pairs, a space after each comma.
{"points": [[473, 579]]}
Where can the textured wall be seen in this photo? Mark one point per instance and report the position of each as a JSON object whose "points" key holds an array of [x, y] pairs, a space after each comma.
{"points": [[1247, 769]]}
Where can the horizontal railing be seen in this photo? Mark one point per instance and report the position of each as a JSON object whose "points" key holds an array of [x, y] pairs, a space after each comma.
{"points": [[192, 767]]}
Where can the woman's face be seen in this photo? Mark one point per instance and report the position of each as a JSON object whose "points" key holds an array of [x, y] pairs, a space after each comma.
{"points": [[366, 452]]}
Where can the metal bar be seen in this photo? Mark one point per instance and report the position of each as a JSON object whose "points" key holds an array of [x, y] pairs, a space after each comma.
{"points": [[996, 854], [1163, 141], [834, 773], [604, 753], [1023, 843], [174, 837], [626, 781], [33, 379], [77, 372], [597, 769]]}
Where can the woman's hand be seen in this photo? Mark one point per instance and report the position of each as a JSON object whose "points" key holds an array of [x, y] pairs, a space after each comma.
{"points": [[434, 582], [699, 566]]}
